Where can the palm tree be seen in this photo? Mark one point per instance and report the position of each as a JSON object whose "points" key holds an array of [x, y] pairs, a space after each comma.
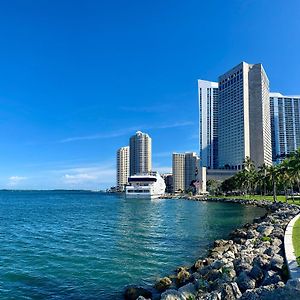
{"points": [[285, 176], [273, 172], [294, 163], [262, 176]]}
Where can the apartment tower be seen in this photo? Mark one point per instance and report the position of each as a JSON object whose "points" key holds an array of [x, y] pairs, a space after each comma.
{"points": [[244, 127], [178, 170], [140, 153], [122, 167], [285, 124], [185, 170], [208, 123]]}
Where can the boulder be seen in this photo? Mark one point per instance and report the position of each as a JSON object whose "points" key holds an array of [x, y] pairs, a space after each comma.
{"points": [[265, 230], [188, 291], [245, 282], [271, 278], [171, 295], [132, 293], [231, 291], [277, 262], [163, 284], [182, 277], [256, 273]]}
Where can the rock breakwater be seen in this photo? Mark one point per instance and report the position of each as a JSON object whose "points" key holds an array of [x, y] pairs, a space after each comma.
{"points": [[250, 264]]}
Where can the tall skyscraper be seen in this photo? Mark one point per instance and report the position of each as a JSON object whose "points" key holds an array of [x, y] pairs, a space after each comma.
{"points": [[185, 167], [178, 170], [244, 116], [208, 123], [140, 153], [285, 124], [122, 168]]}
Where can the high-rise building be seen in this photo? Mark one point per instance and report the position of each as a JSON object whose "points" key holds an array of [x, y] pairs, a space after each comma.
{"points": [[178, 170], [140, 146], [192, 164], [244, 127], [285, 124], [122, 168], [208, 123], [185, 168]]}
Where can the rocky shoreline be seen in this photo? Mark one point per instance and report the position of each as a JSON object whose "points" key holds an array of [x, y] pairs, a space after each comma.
{"points": [[249, 265]]}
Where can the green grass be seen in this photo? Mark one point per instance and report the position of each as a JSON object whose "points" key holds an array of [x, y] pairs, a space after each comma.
{"points": [[280, 198], [296, 240]]}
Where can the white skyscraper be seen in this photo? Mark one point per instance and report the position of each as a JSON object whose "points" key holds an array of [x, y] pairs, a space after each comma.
{"points": [[208, 123], [285, 124], [122, 168], [140, 146], [244, 117]]}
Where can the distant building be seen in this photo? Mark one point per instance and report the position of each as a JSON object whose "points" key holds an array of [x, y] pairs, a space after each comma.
{"points": [[178, 169], [208, 123], [244, 127], [192, 164], [140, 153], [168, 178], [185, 167], [122, 168], [285, 124]]}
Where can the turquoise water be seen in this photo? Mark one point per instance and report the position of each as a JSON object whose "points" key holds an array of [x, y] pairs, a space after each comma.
{"points": [[84, 245]]}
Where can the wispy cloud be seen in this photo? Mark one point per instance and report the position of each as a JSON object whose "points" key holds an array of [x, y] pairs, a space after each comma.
{"points": [[15, 180], [147, 109], [126, 131]]}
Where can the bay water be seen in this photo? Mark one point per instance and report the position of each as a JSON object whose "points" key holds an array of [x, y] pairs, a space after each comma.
{"points": [[88, 245]]}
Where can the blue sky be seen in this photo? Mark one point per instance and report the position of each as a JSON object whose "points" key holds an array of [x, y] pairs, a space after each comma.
{"points": [[77, 78]]}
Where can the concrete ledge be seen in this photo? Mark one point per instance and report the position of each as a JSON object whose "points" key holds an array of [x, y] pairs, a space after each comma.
{"points": [[290, 256]]}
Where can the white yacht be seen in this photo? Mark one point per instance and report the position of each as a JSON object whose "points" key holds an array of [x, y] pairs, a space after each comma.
{"points": [[150, 185]]}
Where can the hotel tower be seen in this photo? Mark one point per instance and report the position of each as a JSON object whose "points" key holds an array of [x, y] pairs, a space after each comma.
{"points": [[122, 168], [140, 160], [244, 127], [285, 124], [208, 123]]}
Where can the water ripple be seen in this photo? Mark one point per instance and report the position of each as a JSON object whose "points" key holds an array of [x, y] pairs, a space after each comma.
{"points": [[71, 245]]}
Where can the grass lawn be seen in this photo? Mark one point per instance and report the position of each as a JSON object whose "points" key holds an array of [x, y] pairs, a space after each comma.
{"points": [[296, 240], [280, 198]]}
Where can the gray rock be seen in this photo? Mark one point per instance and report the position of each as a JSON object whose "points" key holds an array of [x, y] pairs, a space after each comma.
{"points": [[277, 262], [271, 278], [171, 295], [276, 242], [272, 250], [218, 264], [250, 295], [163, 284], [256, 273], [187, 291], [214, 275], [231, 291], [132, 293], [251, 234], [265, 230], [182, 277], [210, 296], [201, 284], [245, 282], [262, 260]]}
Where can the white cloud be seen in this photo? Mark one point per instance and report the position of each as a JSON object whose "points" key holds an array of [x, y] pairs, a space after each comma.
{"points": [[125, 131], [15, 180], [78, 177]]}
